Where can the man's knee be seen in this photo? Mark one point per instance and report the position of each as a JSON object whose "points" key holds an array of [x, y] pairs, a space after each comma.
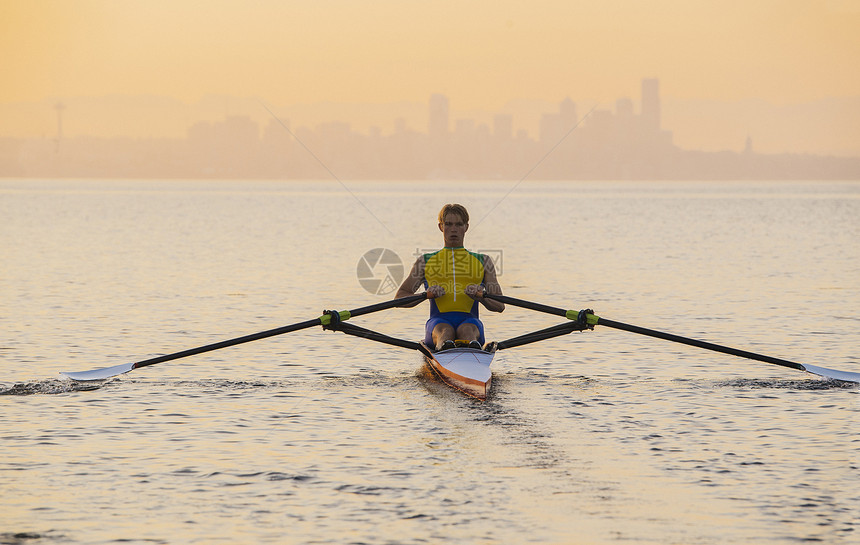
{"points": [[468, 332], [443, 329], [442, 332]]}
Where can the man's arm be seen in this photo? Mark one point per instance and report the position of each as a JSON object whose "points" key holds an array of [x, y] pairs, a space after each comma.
{"points": [[412, 282], [491, 285]]}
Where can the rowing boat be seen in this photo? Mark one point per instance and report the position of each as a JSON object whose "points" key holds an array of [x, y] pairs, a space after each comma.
{"points": [[463, 368]]}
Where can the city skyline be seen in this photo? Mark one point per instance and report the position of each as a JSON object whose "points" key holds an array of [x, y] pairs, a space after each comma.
{"points": [[626, 141], [826, 127], [782, 72]]}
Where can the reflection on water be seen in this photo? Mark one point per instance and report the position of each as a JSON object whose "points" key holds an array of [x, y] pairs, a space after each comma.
{"points": [[596, 437]]}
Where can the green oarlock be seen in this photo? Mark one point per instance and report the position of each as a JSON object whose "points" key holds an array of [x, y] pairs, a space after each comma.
{"points": [[325, 319], [590, 319]]}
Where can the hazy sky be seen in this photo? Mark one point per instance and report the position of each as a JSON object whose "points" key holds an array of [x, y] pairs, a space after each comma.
{"points": [[480, 54]]}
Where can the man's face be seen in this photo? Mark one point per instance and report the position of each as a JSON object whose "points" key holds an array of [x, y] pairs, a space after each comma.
{"points": [[453, 229]]}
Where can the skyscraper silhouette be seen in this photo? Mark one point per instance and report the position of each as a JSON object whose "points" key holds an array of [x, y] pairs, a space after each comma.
{"points": [[651, 104], [437, 125]]}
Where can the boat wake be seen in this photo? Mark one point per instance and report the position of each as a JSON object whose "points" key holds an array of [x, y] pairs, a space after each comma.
{"points": [[63, 386], [19, 538], [51, 386], [788, 384]]}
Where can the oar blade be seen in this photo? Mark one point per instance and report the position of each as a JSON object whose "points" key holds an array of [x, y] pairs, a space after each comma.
{"points": [[98, 374], [835, 374]]}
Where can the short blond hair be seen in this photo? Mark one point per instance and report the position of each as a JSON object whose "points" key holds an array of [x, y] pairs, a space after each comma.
{"points": [[458, 209]]}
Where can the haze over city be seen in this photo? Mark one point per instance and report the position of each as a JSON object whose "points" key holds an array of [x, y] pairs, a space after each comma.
{"points": [[779, 74]]}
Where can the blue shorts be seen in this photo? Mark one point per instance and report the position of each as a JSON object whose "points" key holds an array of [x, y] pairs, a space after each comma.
{"points": [[455, 319]]}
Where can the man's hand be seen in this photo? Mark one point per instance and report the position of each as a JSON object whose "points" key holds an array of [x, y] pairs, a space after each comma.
{"points": [[435, 291], [475, 291]]}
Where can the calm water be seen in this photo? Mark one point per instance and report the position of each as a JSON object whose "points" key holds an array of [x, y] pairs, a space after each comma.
{"points": [[316, 437]]}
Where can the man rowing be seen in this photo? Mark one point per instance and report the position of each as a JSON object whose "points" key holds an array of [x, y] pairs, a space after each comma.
{"points": [[455, 280]]}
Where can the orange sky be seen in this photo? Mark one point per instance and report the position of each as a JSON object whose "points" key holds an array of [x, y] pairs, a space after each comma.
{"points": [[317, 58], [481, 54]]}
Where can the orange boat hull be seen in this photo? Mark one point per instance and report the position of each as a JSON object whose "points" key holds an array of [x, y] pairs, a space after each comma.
{"points": [[464, 369]]}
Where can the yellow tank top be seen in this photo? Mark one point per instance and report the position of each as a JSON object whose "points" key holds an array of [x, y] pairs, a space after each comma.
{"points": [[454, 269]]}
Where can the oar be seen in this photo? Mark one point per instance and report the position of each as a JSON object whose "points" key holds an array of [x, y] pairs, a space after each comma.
{"points": [[597, 320], [325, 319]]}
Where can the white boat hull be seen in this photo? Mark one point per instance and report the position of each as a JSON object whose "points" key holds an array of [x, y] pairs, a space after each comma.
{"points": [[465, 369]]}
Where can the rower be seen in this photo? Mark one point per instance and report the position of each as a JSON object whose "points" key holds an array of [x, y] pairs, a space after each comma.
{"points": [[455, 280]]}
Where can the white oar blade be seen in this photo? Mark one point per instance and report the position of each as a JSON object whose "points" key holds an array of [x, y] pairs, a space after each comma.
{"points": [[99, 374], [832, 373]]}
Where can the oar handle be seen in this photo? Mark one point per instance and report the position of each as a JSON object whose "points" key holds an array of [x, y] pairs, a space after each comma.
{"points": [[569, 314], [322, 320], [389, 304]]}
